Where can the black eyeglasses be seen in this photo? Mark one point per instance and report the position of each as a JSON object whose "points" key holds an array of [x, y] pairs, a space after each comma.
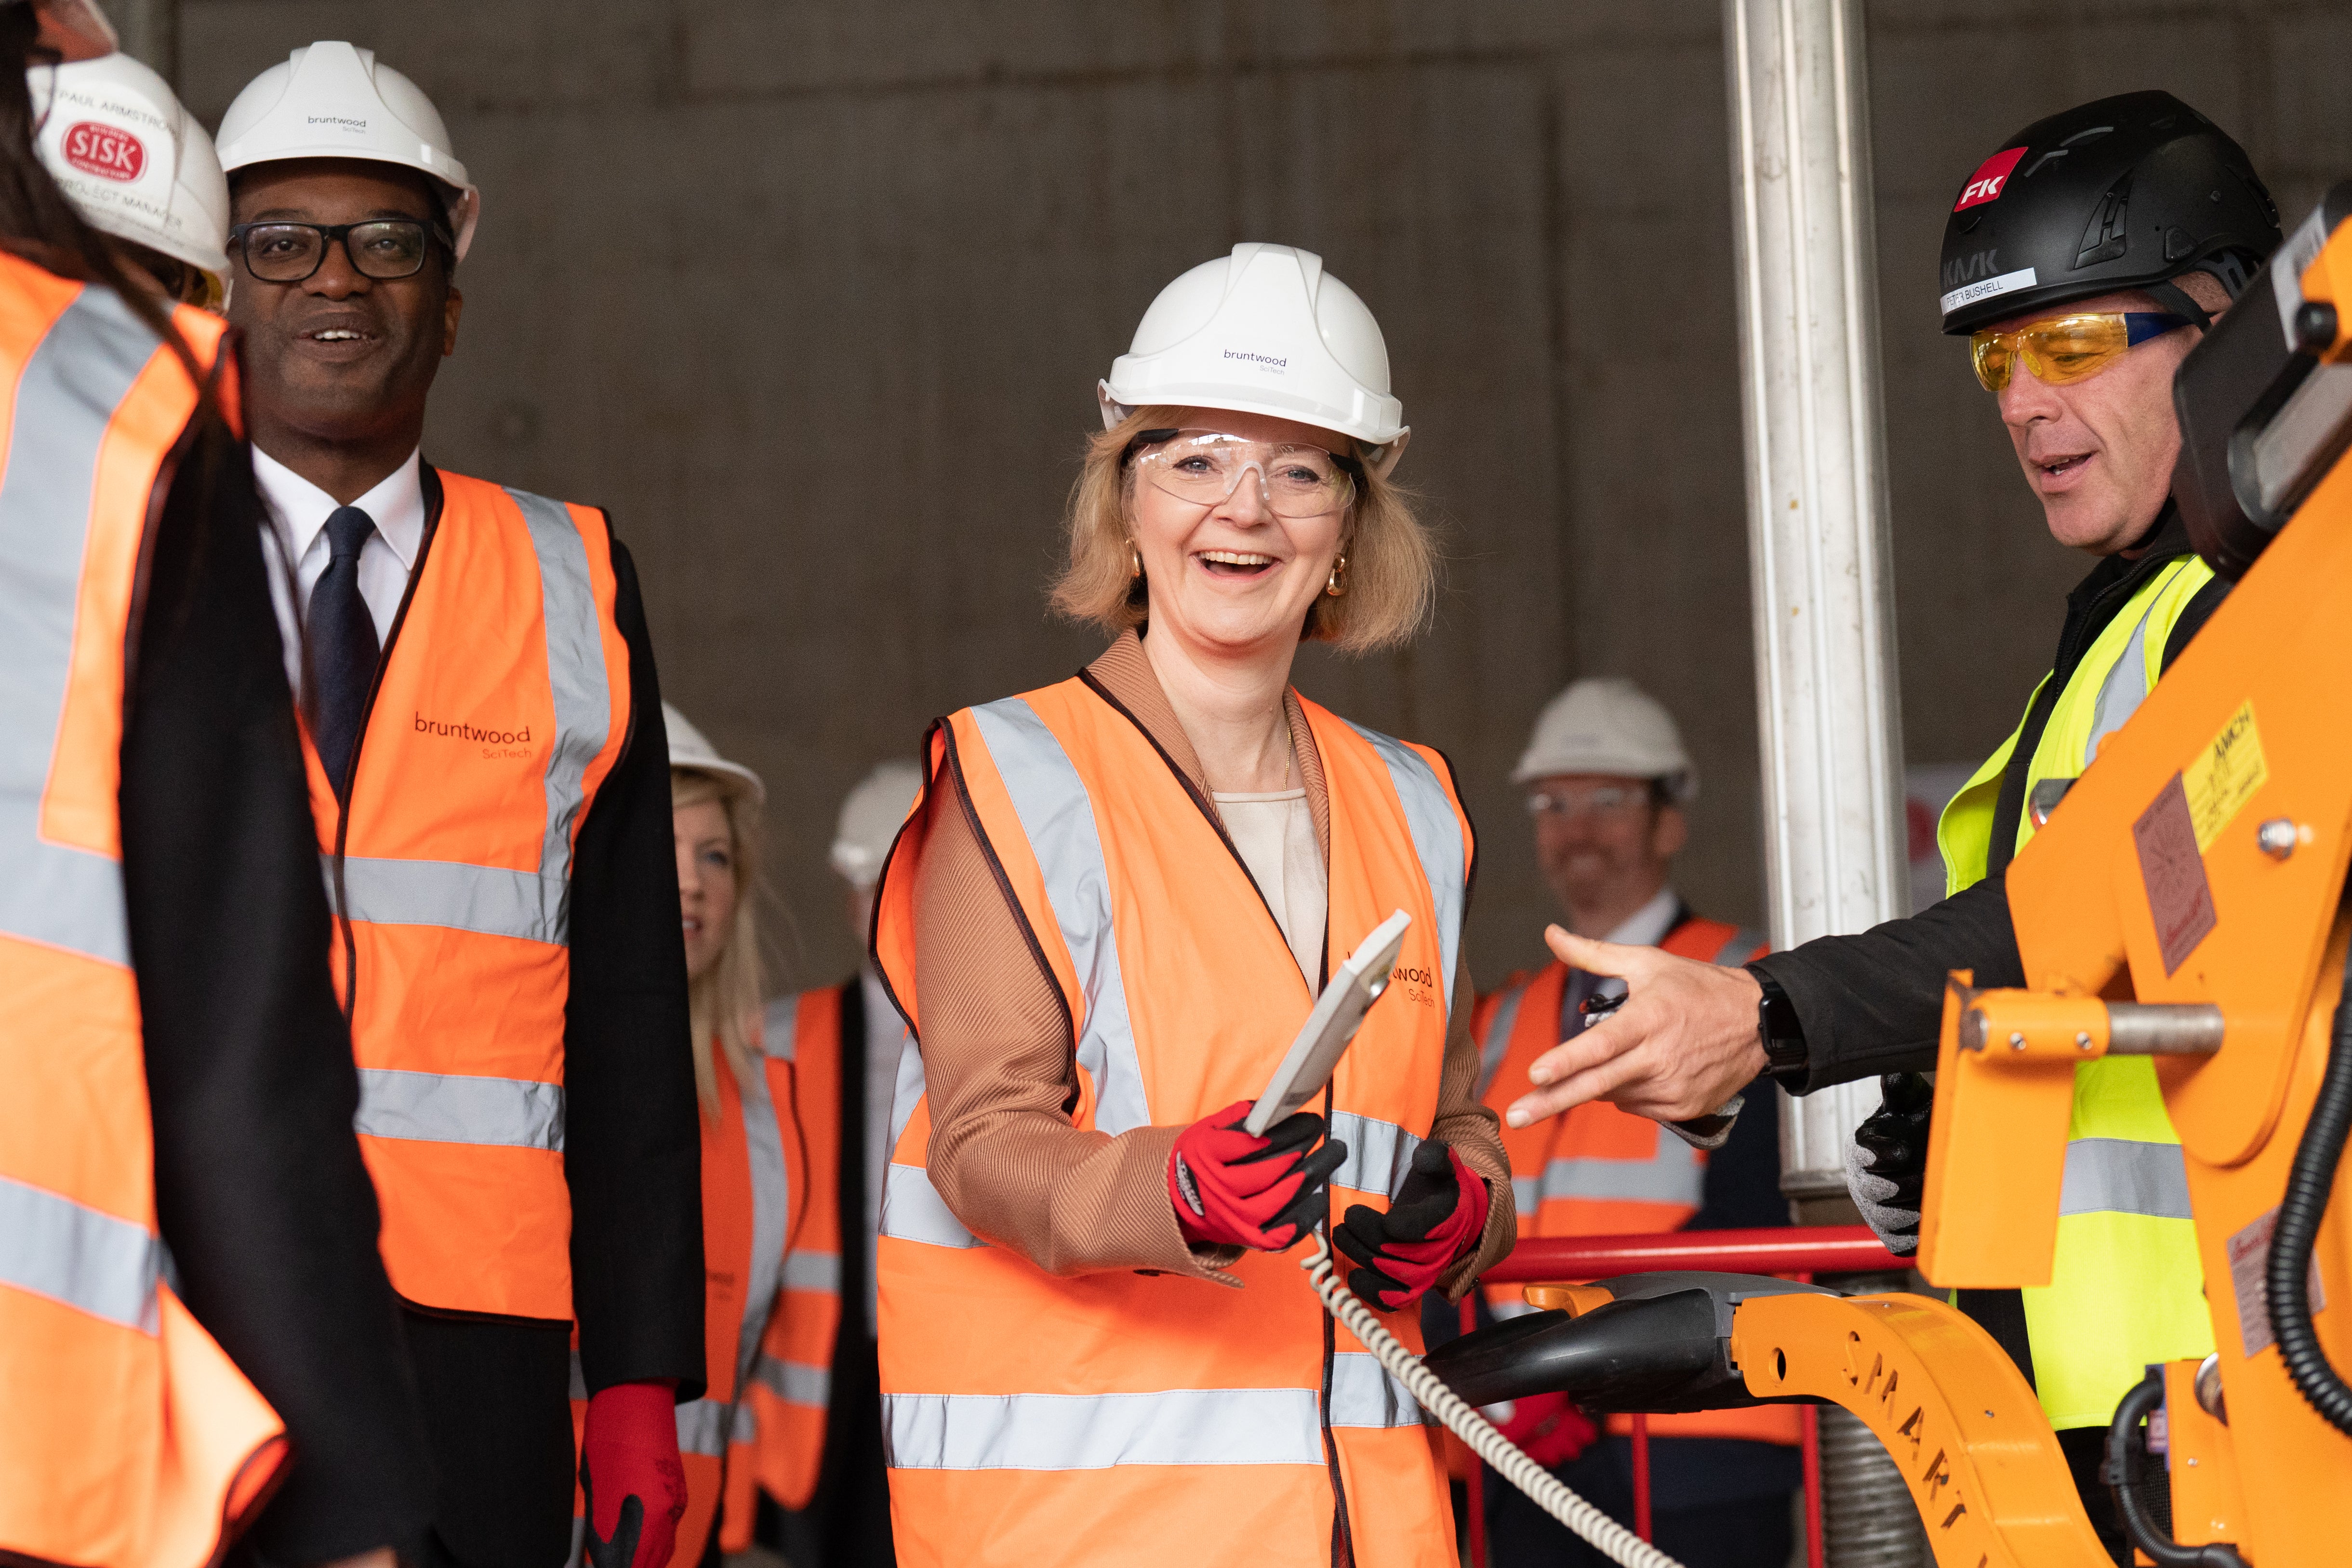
{"points": [[383, 247]]}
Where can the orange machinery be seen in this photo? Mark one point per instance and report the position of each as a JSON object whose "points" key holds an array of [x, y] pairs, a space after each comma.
{"points": [[2186, 900]]}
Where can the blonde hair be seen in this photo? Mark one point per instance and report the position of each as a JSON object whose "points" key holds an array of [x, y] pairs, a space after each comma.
{"points": [[1391, 578], [726, 998]]}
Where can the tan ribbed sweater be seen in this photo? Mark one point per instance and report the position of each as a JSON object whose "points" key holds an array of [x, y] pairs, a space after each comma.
{"points": [[1001, 1073]]}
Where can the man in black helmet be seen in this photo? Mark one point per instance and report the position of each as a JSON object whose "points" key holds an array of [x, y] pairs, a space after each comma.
{"points": [[2083, 260]]}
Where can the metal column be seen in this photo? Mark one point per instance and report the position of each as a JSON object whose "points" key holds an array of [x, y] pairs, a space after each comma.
{"points": [[1822, 585], [1817, 517]]}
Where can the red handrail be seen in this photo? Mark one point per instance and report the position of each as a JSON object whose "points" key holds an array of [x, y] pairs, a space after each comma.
{"points": [[1793, 1249]]}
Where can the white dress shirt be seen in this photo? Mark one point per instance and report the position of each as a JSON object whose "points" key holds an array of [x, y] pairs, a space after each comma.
{"points": [[298, 510]]}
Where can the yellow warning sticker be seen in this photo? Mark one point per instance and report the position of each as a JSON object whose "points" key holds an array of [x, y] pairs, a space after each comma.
{"points": [[2225, 775]]}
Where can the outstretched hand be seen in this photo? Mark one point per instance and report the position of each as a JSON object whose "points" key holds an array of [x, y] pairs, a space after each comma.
{"points": [[1684, 1043]]}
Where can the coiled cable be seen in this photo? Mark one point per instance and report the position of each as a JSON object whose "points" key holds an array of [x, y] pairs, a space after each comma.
{"points": [[1607, 1536]]}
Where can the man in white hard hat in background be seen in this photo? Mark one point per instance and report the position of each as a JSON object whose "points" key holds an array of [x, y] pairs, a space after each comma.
{"points": [[490, 780], [137, 168], [1606, 778], [845, 1521]]}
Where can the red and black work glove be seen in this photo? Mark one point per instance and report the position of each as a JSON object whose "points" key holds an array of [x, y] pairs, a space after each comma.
{"points": [[1547, 1427], [1230, 1189], [630, 1473], [1438, 1216]]}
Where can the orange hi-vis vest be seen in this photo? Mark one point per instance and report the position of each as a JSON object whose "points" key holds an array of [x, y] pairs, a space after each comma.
{"points": [[772, 1273], [1121, 1418], [1600, 1170], [128, 1439], [502, 703]]}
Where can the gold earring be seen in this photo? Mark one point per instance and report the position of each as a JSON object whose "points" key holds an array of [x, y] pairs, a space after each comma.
{"points": [[1333, 587], [1136, 557]]}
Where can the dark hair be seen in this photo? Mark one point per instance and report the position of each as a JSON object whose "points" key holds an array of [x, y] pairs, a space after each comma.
{"points": [[32, 208]]}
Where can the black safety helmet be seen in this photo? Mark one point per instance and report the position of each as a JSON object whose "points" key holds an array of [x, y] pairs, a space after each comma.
{"points": [[2125, 193]]}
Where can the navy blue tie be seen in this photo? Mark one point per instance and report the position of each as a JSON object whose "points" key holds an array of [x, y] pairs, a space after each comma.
{"points": [[341, 635]]}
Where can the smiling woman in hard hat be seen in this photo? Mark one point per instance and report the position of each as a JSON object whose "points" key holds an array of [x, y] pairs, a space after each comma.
{"points": [[1107, 918]]}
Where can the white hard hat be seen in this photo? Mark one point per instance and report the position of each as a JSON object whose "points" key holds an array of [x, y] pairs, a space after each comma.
{"points": [[1263, 330], [871, 818], [332, 101], [690, 748], [1608, 726], [133, 163]]}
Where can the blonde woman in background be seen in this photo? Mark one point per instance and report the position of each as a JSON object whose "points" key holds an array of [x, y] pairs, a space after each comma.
{"points": [[767, 1183]]}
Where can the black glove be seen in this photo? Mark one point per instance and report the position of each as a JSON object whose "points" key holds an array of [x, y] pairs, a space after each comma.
{"points": [[1438, 1215], [1886, 1168]]}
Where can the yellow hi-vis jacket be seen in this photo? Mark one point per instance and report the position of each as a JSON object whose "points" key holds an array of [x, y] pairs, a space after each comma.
{"points": [[2126, 1289]]}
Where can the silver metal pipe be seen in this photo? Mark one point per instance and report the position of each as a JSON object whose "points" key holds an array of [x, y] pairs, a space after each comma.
{"points": [[1821, 582], [1867, 1517], [2163, 1028]]}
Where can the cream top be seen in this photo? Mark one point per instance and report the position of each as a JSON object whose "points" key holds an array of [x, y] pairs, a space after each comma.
{"points": [[1275, 835]]}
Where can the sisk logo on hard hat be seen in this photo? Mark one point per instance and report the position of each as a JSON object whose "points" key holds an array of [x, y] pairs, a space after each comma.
{"points": [[107, 151], [1992, 175]]}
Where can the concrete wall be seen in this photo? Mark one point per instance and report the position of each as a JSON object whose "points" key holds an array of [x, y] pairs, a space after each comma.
{"points": [[814, 296]]}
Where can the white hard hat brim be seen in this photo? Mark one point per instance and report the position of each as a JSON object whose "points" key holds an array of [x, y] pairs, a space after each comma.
{"points": [[1380, 455]]}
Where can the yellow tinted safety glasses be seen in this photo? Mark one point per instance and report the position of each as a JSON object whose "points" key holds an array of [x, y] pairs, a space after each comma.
{"points": [[2065, 349]]}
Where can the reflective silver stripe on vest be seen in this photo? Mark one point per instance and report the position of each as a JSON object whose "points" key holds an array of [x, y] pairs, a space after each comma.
{"points": [[51, 1245], [1436, 839], [818, 1271], [780, 1028], [1058, 819], [1364, 1394], [794, 1382], [1098, 1431], [576, 668], [1673, 1175], [446, 1108], [764, 1143], [491, 899], [702, 1425], [1379, 1153], [1497, 1044], [912, 1210], [495, 900], [66, 396], [2125, 687], [2119, 1175], [1734, 954]]}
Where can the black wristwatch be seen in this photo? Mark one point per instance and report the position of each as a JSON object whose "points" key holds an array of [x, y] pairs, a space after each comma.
{"points": [[1777, 1030]]}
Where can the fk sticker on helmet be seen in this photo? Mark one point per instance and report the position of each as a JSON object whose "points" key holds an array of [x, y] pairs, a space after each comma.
{"points": [[1992, 175]]}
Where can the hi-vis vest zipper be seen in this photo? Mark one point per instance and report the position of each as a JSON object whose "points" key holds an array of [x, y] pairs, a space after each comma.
{"points": [[129, 1440], [2127, 1286], [1116, 1417], [501, 705], [1600, 1170]]}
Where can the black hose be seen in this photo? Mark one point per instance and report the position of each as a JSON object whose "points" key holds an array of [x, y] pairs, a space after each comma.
{"points": [[2120, 1474], [2287, 1278]]}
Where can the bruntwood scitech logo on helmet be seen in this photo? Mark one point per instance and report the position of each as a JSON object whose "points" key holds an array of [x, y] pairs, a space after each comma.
{"points": [[493, 742], [107, 151], [347, 122], [1263, 362]]}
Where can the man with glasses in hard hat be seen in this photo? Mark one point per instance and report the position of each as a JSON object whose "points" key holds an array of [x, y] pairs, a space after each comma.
{"points": [[1606, 778], [490, 781], [2082, 259]]}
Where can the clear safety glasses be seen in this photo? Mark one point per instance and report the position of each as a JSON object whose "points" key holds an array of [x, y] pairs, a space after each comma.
{"points": [[2065, 349], [1207, 466], [1603, 801]]}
